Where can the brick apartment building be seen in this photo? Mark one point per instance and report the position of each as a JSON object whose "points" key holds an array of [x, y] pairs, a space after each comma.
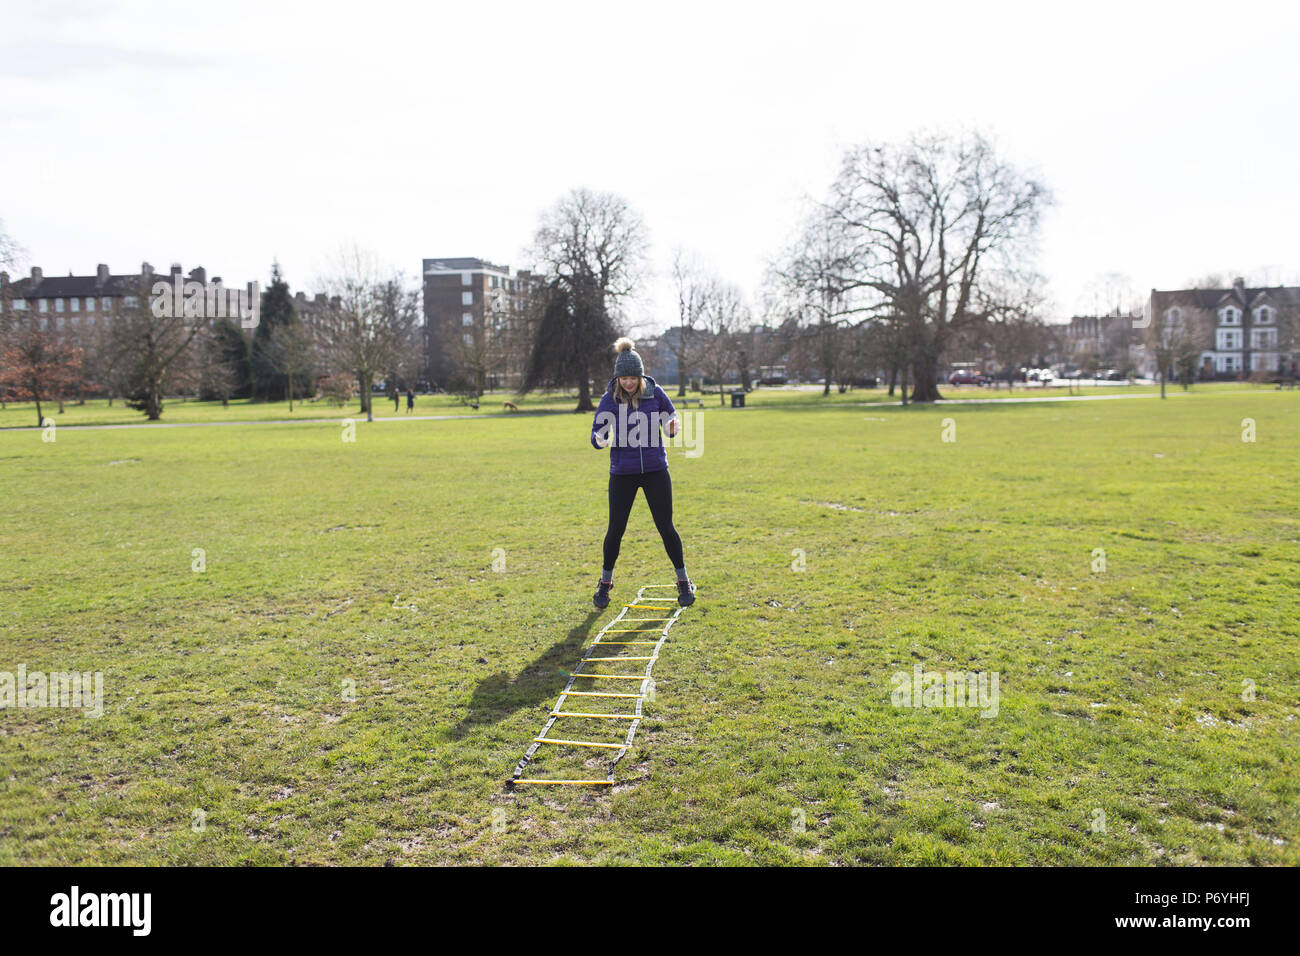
{"points": [[1244, 330], [77, 305], [475, 316]]}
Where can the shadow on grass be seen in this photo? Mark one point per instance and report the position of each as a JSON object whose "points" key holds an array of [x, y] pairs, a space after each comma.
{"points": [[500, 695]]}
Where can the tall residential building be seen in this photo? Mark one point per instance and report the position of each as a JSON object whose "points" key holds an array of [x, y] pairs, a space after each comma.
{"points": [[475, 321]]}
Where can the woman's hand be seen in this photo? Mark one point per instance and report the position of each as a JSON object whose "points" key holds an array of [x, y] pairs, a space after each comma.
{"points": [[602, 441], [671, 427]]}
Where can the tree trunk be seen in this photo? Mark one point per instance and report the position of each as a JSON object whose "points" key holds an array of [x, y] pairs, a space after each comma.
{"points": [[584, 392], [40, 420], [925, 370], [893, 379]]}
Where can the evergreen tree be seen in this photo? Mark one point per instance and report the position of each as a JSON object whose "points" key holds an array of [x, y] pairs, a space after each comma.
{"points": [[278, 312]]}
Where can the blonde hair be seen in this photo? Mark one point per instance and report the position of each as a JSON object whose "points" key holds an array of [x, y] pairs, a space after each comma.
{"points": [[624, 344], [623, 395]]}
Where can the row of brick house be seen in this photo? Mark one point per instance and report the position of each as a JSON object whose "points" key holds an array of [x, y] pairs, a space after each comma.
{"points": [[1238, 331], [1233, 332], [72, 302]]}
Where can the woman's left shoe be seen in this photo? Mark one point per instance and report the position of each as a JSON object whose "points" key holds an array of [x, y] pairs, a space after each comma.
{"points": [[685, 593]]}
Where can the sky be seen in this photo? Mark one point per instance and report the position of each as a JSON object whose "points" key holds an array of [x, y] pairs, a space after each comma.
{"points": [[230, 135]]}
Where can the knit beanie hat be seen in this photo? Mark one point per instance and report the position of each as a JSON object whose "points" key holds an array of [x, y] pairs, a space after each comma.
{"points": [[628, 362]]}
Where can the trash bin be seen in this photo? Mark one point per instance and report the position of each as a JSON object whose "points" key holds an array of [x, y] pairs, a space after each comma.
{"points": [[738, 399]]}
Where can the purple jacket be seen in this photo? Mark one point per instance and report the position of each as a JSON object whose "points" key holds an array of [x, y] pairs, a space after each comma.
{"points": [[637, 445]]}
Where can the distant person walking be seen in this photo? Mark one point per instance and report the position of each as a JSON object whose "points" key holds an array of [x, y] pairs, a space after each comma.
{"points": [[628, 420], [410, 400], [397, 399]]}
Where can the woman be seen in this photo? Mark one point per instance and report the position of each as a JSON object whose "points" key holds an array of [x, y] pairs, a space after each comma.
{"points": [[631, 413]]}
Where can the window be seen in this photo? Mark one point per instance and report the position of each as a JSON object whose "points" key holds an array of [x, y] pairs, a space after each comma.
{"points": [[43, 305], [20, 305], [467, 278], [1264, 316], [469, 338], [106, 304], [58, 305], [90, 304], [1229, 339], [494, 282], [74, 305], [130, 301], [1263, 338], [1173, 318], [467, 318], [59, 322], [1230, 316], [467, 298]]}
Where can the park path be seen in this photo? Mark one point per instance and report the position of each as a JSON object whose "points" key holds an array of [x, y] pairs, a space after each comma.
{"points": [[1014, 400]]}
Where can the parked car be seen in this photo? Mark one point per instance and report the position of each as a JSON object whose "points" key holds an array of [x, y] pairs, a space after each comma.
{"points": [[967, 378]]}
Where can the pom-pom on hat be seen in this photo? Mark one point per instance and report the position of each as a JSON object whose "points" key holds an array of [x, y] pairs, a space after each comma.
{"points": [[628, 362]]}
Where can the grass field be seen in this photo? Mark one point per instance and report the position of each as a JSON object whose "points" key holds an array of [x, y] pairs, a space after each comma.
{"points": [[1124, 732], [177, 411]]}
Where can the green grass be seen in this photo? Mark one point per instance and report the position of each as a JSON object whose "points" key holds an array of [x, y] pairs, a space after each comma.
{"points": [[1121, 691], [189, 411]]}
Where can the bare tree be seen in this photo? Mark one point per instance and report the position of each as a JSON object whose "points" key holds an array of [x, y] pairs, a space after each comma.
{"points": [[370, 321], [11, 256], [816, 275], [1111, 293], [925, 222], [1176, 339], [725, 316], [11, 253], [692, 283], [591, 249], [1012, 329], [150, 345], [290, 353]]}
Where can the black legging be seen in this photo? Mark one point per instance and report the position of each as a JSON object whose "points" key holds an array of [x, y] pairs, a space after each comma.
{"points": [[659, 495]]}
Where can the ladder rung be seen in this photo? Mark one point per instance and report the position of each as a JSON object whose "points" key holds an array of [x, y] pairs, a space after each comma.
{"points": [[597, 783], [644, 607], [618, 659], [615, 676], [578, 743], [630, 630], [623, 643], [598, 693], [566, 713], [643, 619], [644, 586]]}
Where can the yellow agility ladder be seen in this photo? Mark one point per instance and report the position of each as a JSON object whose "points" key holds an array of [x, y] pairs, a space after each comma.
{"points": [[596, 693]]}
